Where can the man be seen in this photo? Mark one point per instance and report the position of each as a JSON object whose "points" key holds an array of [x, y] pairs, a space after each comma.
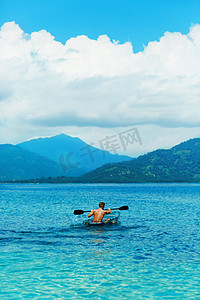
{"points": [[99, 213]]}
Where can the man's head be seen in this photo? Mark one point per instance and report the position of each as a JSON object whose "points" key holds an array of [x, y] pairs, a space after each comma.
{"points": [[101, 205]]}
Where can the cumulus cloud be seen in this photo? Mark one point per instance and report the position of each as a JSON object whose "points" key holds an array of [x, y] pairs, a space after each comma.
{"points": [[45, 84]]}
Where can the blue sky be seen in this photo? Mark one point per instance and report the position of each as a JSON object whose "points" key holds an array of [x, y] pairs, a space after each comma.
{"points": [[84, 83], [137, 21]]}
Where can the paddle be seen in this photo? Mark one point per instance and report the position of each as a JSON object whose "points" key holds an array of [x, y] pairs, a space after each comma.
{"points": [[80, 212]]}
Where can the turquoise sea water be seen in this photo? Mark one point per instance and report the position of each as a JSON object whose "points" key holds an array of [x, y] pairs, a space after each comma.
{"points": [[46, 252]]}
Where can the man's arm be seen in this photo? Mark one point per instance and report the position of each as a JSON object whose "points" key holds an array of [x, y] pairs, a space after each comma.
{"points": [[91, 214], [108, 211]]}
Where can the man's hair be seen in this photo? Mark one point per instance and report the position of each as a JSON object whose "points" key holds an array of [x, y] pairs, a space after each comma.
{"points": [[101, 204]]}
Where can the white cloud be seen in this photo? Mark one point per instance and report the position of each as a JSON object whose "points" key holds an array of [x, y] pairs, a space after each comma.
{"points": [[47, 87]]}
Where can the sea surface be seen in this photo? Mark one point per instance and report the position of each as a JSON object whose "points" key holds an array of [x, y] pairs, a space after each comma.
{"points": [[47, 253]]}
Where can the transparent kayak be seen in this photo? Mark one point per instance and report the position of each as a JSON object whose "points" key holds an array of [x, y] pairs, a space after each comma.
{"points": [[109, 219]]}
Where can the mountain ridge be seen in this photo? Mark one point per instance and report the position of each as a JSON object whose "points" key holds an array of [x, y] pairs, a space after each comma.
{"points": [[74, 155], [56, 157], [180, 163], [18, 164]]}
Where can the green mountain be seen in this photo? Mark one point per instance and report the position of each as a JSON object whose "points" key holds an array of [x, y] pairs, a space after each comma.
{"points": [[74, 156], [19, 164], [178, 164]]}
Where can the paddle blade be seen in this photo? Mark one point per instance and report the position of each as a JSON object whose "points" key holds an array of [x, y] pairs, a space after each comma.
{"points": [[78, 212], [123, 208]]}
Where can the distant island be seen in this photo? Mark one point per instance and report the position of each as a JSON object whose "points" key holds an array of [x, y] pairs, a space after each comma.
{"points": [[178, 164]]}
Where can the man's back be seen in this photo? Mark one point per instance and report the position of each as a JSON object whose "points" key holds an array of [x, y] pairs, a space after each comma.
{"points": [[99, 214]]}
